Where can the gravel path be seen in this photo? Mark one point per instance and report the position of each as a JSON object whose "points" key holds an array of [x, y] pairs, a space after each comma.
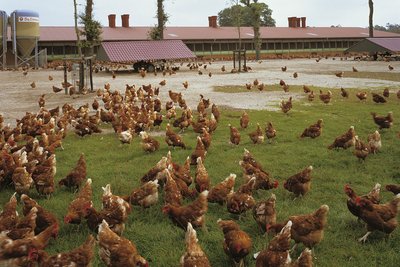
{"points": [[17, 97]]}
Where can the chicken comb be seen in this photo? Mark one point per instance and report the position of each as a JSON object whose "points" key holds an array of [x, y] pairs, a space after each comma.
{"points": [[358, 200]]}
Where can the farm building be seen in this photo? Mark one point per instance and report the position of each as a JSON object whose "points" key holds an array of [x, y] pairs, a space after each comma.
{"points": [[383, 46], [131, 51], [214, 39]]}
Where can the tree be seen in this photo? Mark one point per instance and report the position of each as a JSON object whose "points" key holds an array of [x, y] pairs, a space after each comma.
{"points": [[157, 32], [393, 27], [380, 28], [236, 14], [255, 13], [371, 17], [77, 32], [225, 18], [91, 28], [388, 28]]}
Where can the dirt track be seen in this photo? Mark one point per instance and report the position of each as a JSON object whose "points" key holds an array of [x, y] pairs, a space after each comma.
{"points": [[17, 96]]}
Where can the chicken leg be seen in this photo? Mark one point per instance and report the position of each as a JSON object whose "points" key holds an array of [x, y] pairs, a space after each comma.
{"points": [[293, 248], [240, 263], [364, 238]]}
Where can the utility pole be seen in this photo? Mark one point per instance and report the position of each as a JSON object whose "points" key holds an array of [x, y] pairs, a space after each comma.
{"points": [[371, 18], [78, 44], [78, 38]]}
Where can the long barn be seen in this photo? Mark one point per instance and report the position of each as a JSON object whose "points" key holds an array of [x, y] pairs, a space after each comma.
{"points": [[214, 39]]}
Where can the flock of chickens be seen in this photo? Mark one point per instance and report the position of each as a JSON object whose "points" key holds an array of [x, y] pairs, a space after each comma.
{"points": [[28, 159]]}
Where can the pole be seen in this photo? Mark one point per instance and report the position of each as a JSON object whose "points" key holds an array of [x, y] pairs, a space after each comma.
{"points": [[14, 40], [240, 60], [234, 59], [65, 78], [81, 76], [36, 54], [91, 75]]}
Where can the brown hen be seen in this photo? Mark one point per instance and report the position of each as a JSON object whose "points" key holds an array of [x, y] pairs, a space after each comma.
{"points": [[377, 98], [300, 183], [200, 151], [345, 140], [313, 130], [173, 139], [193, 213], [244, 120], [237, 243], [149, 144], [381, 217], [270, 131], [257, 137], [234, 135], [286, 106], [373, 195], [75, 177], [202, 180], [277, 251], [325, 97], [117, 251], [44, 218], [78, 208], [383, 121], [194, 255], [144, 196], [80, 256], [264, 213], [219, 192]]}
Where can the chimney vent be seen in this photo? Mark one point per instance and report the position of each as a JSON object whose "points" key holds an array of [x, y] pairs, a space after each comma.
{"points": [[125, 20], [111, 20], [292, 22], [212, 21], [303, 22], [295, 22]]}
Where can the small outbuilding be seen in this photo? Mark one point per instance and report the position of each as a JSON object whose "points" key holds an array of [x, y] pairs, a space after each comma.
{"points": [[144, 51], [383, 46]]}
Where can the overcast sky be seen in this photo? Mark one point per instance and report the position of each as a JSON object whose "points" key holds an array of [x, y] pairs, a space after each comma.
{"points": [[319, 13]]}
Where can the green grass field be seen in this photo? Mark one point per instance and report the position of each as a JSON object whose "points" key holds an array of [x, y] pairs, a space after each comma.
{"points": [[162, 243]]}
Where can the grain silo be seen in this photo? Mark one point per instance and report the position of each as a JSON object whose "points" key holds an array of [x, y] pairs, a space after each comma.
{"points": [[25, 33], [3, 37]]}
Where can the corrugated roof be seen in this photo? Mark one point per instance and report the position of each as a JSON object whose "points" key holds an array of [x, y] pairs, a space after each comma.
{"points": [[144, 50], [48, 34], [392, 44], [373, 45]]}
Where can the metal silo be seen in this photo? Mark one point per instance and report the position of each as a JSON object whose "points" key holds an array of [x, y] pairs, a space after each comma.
{"points": [[3, 36], [25, 32]]}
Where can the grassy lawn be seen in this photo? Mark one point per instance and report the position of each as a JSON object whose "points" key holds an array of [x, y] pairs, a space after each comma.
{"points": [[162, 243], [387, 76]]}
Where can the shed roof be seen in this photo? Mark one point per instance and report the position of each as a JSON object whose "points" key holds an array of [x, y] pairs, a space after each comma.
{"points": [[143, 50], [53, 33], [373, 45]]}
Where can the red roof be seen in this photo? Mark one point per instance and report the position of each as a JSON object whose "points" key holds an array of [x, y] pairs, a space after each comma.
{"points": [[374, 45], [392, 44], [144, 50], [207, 33]]}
